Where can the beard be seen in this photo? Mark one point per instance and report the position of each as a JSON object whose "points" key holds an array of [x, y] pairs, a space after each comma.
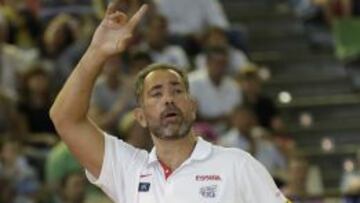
{"points": [[171, 130]]}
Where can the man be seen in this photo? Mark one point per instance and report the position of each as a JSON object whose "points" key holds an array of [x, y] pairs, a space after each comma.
{"points": [[181, 167], [217, 94], [191, 17], [216, 37], [254, 97], [241, 135]]}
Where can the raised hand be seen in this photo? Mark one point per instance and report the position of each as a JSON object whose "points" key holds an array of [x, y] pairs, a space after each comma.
{"points": [[115, 30]]}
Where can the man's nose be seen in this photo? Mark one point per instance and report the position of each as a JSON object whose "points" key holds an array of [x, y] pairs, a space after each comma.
{"points": [[168, 99]]}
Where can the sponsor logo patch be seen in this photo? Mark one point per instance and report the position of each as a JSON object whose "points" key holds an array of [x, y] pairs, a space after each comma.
{"points": [[144, 187]]}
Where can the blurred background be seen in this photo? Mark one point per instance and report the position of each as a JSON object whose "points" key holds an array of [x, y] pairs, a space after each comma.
{"points": [[277, 78]]}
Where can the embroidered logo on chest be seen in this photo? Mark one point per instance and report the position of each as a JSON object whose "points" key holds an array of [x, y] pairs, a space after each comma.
{"points": [[144, 187], [208, 191]]}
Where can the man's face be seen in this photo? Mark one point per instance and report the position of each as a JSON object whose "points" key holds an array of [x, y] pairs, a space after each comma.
{"points": [[251, 86], [217, 64], [244, 120], [157, 33], [217, 39], [38, 84], [168, 109]]}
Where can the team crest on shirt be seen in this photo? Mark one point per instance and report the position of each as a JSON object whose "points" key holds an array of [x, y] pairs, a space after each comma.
{"points": [[208, 191]]}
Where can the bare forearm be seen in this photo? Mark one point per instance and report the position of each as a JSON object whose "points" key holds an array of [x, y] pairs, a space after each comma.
{"points": [[70, 109], [73, 100]]}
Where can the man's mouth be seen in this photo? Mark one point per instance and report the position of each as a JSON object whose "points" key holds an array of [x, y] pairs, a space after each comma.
{"points": [[171, 116]]}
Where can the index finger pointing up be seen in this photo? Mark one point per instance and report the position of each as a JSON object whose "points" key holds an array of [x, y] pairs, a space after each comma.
{"points": [[135, 19]]}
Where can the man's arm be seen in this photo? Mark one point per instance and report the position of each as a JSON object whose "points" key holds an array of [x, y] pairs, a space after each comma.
{"points": [[70, 109]]}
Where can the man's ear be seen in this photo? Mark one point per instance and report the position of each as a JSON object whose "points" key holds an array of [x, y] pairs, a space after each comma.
{"points": [[194, 106], [140, 117]]}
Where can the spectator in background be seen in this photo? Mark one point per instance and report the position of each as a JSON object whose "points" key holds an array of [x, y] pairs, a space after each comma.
{"points": [[304, 182], [36, 98], [216, 37], [72, 190], [59, 163], [14, 167], [64, 40], [133, 133], [33, 107], [13, 61], [188, 19], [24, 27], [59, 34], [315, 22], [335, 9], [350, 183], [7, 191], [216, 93], [240, 135], [112, 97], [191, 17], [137, 61], [156, 44], [83, 28], [263, 106], [9, 118], [298, 172]]}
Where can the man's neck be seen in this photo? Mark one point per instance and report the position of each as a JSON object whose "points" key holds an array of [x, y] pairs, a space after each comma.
{"points": [[173, 153]]}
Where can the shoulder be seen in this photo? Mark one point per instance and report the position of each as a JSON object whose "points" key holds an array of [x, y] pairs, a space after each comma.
{"points": [[233, 156]]}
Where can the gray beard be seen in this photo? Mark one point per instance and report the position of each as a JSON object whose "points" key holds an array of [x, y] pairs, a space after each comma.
{"points": [[169, 133]]}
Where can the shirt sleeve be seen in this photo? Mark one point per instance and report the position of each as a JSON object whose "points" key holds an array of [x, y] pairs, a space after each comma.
{"points": [[120, 164], [258, 185]]}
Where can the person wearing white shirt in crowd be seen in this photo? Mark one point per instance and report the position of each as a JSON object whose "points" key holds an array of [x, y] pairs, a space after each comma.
{"points": [[13, 61], [157, 44], [241, 136], [217, 94], [189, 17], [216, 36], [181, 167]]}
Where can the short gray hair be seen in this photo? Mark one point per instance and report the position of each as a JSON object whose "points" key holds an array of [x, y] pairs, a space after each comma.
{"points": [[139, 83]]}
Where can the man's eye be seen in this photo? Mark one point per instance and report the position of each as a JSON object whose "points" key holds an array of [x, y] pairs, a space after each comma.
{"points": [[156, 94], [178, 91]]}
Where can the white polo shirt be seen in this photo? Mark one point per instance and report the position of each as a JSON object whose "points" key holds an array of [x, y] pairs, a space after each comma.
{"points": [[212, 174]]}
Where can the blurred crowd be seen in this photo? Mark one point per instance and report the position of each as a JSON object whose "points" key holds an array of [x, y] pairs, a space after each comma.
{"points": [[42, 40]]}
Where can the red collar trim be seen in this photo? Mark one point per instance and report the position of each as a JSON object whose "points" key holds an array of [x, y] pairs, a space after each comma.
{"points": [[167, 170]]}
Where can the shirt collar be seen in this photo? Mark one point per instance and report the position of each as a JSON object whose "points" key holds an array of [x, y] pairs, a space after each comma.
{"points": [[201, 151]]}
